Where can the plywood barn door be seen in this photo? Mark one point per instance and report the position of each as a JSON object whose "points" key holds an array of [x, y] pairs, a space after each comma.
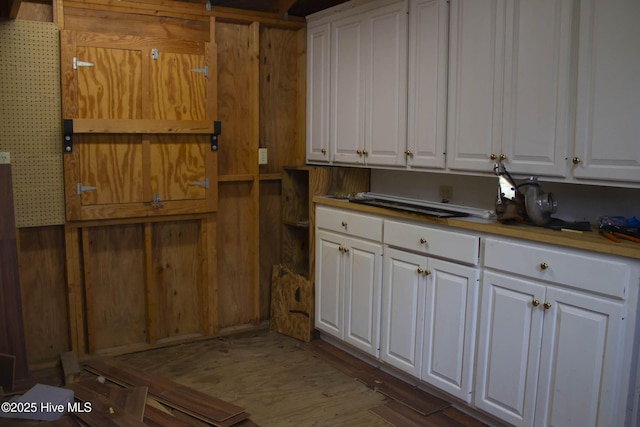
{"points": [[142, 119]]}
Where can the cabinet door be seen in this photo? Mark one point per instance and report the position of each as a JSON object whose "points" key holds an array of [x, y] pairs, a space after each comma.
{"points": [[318, 51], [536, 112], [329, 283], [348, 62], [578, 370], [386, 85], [510, 85], [608, 107], [428, 45], [363, 271], [449, 328], [403, 295], [475, 84], [509, 338]]}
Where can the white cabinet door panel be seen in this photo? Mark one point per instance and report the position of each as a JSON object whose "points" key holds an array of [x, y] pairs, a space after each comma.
{"points": [[608, 107], [403, 310], [450, 328], [387, 86], [475, 84], [536, 132], [347, 89], [578, 371], [362, 300], [510, 332], [329, 283], [427, 97], [318, 51]]}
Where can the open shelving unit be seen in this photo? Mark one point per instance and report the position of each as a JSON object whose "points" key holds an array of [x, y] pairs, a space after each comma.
{"points": [[300, 184]]}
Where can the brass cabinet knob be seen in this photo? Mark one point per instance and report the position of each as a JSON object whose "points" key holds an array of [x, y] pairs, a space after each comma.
{"points": [[340, 248], [427, 272], [408, 153], [365, 152], [359, 152], [345, 250], [544, 266], [547, 305], [535, 302], [423, 240], [420, 270], [576, 160], [503, 157], [344, 223], [493, 156], [323, 151]]}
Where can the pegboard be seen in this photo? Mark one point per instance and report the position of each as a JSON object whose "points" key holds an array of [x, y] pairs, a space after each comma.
{"points": [[30, 120]]}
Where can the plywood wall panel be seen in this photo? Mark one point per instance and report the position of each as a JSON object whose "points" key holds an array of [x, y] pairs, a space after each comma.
{"points": [[270, 240], [44, 297], [77, 19], [279, 104], [177, 276], [235, 98], [237, 252], [114, 286]]}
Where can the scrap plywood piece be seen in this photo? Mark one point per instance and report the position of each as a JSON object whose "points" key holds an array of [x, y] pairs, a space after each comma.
{"points": [[181, 398], [291, 304], [103, 411], [70, 367], [131, 400], [30, 119]]}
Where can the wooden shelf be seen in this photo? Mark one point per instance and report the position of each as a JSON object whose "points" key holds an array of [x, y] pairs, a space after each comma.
{"points": [[299, 185]]}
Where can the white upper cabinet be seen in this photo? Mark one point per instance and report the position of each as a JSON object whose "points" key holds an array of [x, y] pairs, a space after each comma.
{"points": [[427, 97], [608, 106], [510, 85], [357, 84], [318, 44], [369, 86]]}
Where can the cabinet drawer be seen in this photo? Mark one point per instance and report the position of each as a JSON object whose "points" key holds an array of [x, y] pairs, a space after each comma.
{"points": [[350, 223], [593, 273], [432, 241]]}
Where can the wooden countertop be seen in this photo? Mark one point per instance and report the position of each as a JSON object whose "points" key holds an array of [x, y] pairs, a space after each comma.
{"points": [[590, 241]]}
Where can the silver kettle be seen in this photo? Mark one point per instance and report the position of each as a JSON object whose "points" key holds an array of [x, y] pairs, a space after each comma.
{"points": [[539, 205]]}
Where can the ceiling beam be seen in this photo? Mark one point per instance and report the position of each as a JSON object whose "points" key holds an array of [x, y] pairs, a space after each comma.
{"points": [[15, 7], [281, 7]]}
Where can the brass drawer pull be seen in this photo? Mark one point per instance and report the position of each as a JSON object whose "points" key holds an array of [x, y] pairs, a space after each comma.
{"points": [[544, 266]]}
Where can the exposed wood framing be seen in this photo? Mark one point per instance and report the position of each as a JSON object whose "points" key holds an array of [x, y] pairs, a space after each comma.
{"points": [[191, 11]]}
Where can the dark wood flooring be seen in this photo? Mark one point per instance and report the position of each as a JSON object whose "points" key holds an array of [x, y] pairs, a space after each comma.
{"points": [[283, 382]]}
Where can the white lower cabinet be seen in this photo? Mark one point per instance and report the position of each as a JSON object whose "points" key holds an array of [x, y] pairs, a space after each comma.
{"points": [[348, 289], [555, 341], [547, 355], [428, 319]]}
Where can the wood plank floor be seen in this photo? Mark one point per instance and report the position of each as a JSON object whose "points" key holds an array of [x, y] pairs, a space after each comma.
{"points": [[279, 382]]}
